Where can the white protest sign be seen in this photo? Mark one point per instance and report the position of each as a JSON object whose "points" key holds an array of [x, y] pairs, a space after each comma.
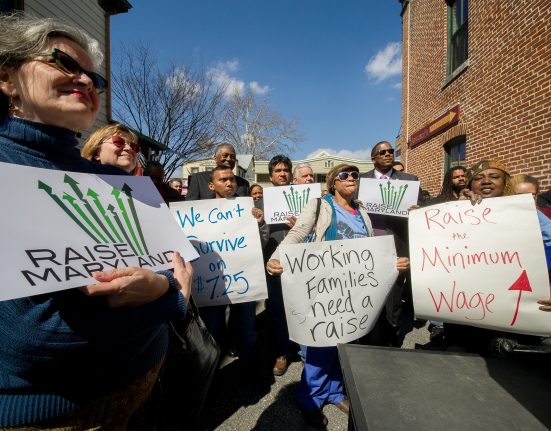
{"points": [[388, 197], [230, 268], [481, 265], [334, 290], [59, 227], [282, 202]]}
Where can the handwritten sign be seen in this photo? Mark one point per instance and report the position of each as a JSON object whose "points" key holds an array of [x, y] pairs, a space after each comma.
{"points": [[480, 265], [334, 291], [282, 202], [230, 268], [60, 227], [388, 197]]}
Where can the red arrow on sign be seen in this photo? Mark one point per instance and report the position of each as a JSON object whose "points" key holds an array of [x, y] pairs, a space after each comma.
{"points": [[522, 284]]}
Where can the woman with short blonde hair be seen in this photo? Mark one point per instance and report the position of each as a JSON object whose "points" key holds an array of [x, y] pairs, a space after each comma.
{"points": [[114, 144]]}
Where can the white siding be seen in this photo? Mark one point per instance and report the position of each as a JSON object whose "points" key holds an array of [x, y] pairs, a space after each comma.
{"points": [[86, 14]]}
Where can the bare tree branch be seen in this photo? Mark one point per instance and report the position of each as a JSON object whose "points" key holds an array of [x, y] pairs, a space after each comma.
{"points": [[252, 127], [176, 106]]}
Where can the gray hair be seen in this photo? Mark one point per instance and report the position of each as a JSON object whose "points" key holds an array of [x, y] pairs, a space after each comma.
{"points": [[219, 147], [22, 36], [300, 166]]}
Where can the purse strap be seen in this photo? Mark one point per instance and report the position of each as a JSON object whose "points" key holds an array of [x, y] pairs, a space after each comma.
{"points": [[318, 206], [312, 235], [192, 307]]}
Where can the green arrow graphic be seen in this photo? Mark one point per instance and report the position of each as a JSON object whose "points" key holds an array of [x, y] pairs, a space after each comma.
{"points": [[402, 195], [128, 192], [77, 208], [48, 189], [287, 199], [99, 206], [111, 209], [74, 185], [120, 203]]}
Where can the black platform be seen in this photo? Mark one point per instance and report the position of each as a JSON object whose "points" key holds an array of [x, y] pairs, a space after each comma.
{"points": [[395, 389]]}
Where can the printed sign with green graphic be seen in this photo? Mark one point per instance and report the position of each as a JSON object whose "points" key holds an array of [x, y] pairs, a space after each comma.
{"points": [[282, 202], [64, 226], [388, 197]]}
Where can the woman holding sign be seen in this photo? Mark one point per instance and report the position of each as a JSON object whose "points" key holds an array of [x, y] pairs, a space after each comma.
{"points": [[73, 359], [339, 218]]}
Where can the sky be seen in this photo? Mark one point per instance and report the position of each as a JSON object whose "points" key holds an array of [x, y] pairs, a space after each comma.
{"points": [[334, 65]]}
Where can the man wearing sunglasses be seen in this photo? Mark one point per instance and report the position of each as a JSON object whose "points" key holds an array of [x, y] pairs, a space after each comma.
{"points": [[198, 187], [393, 321]]}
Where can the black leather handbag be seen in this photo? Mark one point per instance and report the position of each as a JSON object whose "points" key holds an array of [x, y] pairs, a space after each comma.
{"points": [[187, 372]]}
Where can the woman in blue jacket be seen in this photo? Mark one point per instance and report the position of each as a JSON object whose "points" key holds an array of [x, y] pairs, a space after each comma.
{"points": [[79, 358]]}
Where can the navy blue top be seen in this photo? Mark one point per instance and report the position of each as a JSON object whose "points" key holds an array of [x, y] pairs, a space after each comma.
{"points": [[60, 350]]}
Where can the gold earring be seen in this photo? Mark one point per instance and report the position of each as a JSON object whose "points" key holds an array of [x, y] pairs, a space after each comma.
{"points": [[11, 106]]}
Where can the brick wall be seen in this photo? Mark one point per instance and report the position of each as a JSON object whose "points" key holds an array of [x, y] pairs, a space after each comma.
{"points": [[504, 94]]}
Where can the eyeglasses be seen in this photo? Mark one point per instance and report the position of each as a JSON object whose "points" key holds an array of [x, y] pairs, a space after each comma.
{"points": [[120, 142], [68, 64], [344, 175], [383, 152]]}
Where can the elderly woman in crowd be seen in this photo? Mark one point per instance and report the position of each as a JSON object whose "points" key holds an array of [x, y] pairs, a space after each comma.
{"points": [[339, 218], [75, 359], [114, 144]]}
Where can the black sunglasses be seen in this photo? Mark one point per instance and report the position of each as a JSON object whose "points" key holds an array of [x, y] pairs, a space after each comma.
{"points": [[68, 64], [383, 152], [344, 175]]}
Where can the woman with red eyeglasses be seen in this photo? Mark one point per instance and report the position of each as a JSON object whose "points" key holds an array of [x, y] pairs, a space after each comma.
{"points": [[340, 217], [114, 144], [85, 358]]}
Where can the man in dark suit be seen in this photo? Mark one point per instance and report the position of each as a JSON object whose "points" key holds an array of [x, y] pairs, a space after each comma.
{"points": [[198, 184], [391, 322]]}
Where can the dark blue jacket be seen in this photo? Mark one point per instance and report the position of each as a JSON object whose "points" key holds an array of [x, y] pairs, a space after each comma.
{"points": [[60, 350]]}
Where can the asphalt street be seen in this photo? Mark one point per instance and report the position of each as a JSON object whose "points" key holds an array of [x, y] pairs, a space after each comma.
{"points": [[251, 400]]}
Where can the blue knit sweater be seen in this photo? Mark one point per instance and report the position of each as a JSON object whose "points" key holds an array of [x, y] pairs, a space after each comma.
{"points": [[60, 350]]}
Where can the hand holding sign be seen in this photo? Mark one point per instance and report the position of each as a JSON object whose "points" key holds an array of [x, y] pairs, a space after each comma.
{"points": [[334, 291], [465, 270], [89, 224], [128, 287], [225, 233], [183, 274]]}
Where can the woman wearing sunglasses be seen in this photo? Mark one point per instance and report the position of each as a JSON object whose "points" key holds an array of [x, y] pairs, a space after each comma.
{"points": [[339, 218], [114, 144], [80, 358]]}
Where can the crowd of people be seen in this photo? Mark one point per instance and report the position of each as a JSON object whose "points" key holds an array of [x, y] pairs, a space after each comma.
{"points": [[89, 358]]}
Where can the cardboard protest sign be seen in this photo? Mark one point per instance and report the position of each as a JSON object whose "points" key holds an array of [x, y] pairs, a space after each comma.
{"points": [[388, 197], [282, 202], [481, 265], [334, 290], [230, 268], [60, 227]]}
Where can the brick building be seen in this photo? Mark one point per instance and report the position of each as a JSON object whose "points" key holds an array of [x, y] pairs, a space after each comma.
{"points": [[476, 84]]}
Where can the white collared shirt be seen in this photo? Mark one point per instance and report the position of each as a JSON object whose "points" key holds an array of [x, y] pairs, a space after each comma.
{"points": [[379, 176]]}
